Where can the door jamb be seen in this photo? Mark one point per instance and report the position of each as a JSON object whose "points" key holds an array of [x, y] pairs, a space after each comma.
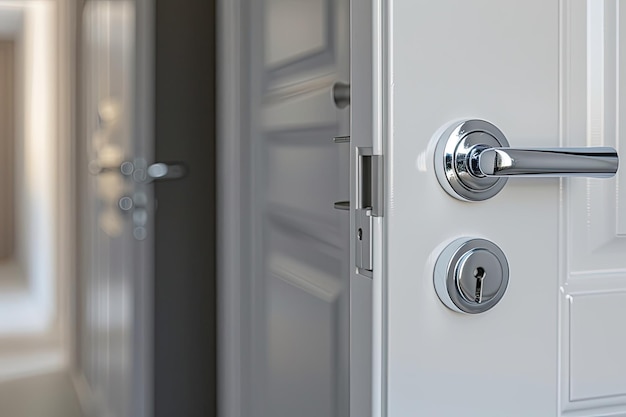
{"points": [[231, 181]]}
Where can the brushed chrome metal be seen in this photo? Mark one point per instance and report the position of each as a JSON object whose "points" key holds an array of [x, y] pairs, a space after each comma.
{"points": [[370, 188], [363, 239], [341, 139], [453, 152], [473, 160], [156, 171], [163, 171], [548, 162], [341, 94], [127, 168], [369, 203], [126, 203], [471, 275]]}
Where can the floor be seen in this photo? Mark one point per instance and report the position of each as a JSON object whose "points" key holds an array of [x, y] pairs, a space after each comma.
{"points": [[12, 277], [49, 395]]}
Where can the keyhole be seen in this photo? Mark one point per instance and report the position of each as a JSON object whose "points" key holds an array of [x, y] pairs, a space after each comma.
{"points": [[479, 274], [359, 234]]}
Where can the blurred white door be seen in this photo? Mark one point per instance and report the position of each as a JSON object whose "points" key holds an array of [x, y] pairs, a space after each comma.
{"points": [[114, 332], [295, 280], [548, 74]]}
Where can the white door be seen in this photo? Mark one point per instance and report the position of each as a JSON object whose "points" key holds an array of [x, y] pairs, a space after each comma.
{"points": [[547, 74], [116, 206], [285, 247]]}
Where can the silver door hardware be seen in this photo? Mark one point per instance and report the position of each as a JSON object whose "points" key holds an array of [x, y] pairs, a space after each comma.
{"points": [[370, 181], [471, 275], [342, 205], [341, 94], [369, 204], [141, 172], [364, 248], [158, 171], [137, 207], [473, 161], [126, 203], [341, 139], [163, 171]]}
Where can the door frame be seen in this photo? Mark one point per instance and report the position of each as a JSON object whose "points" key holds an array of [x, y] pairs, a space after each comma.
{"points": [[232, 249]]}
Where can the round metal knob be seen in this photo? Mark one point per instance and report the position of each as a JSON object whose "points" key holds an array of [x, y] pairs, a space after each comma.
{"points": [[341, 95], [471, 275]]}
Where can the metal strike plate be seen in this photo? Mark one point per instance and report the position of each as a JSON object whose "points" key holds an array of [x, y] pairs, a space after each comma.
{"points": [[363, 240], [369, 204], [471, 275], [370, 177]]}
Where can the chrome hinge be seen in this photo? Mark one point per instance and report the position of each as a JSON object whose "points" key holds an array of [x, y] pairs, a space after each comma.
{"points": [[369, 204]]}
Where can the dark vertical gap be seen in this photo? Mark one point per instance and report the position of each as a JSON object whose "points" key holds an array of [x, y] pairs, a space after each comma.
{"points": [[366, 182], [185, 280]]}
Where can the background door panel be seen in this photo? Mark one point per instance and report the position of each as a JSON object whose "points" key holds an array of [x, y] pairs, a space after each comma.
{"points": [[108, 246], [299, 273]]}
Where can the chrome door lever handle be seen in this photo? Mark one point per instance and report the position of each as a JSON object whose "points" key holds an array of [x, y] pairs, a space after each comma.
{"points": [[163, 171], [473, 161], [546, 162], [140, 173]]}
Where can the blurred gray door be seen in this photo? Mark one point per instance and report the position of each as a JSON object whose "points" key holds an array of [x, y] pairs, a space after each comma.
{"points": [[299, 244], [116, 201]]}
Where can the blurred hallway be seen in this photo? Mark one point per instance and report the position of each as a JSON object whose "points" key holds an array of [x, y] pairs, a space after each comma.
{"points": [[107, 217], [49, 395]]}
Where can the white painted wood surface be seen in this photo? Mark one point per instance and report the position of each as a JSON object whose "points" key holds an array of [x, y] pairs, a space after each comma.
{"points": [[547, 74]]}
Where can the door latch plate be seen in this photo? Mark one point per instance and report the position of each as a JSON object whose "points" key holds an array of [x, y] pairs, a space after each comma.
{"points": [[363, 240], [369, 204]]}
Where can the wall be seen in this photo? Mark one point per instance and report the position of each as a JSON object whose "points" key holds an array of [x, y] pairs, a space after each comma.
{"points": [[7, 139], [34, 311]]}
